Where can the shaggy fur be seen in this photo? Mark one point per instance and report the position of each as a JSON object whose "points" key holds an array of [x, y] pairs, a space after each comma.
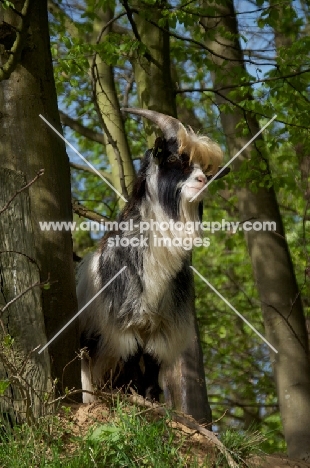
{"points": [[201, 150], [143, 316]]}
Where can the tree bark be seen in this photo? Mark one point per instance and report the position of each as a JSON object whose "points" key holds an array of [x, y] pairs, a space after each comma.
{"points": [[19, 271], [152, 70], [28, 145], [280, 300], [285, 34]]}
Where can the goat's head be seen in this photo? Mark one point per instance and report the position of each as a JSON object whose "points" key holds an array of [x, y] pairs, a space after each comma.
{"points": [[179, 164]]}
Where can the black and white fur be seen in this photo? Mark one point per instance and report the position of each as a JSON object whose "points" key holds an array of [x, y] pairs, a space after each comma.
{"points": [[142, 320]]}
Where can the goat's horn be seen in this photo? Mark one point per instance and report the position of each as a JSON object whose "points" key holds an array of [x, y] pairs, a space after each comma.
{"points": [[167, 124]]}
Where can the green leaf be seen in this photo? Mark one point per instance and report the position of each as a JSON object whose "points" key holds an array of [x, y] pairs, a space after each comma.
{"points": [[8, 340], [4, 384], [105, 431], [7, 4]]}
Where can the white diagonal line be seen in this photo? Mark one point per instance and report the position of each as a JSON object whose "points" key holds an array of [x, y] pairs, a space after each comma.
{"points": [[232, 159], [235, 310], [83, 308], [82, 157]]}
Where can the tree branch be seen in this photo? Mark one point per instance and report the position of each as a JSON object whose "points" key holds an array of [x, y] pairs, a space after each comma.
{"points": [[80, 167], [38, 283], [79, 128], [109, 23], [249, 83], [135, 31], [129, 12], [128, 89], [247, 111], [237, 13], [86, 213], [55, 10], [39, 174], [201, 45]]}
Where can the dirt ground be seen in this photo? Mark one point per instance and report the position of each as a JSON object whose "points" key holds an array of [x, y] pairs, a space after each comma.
{"points": [[277, 461], [83, 416]]}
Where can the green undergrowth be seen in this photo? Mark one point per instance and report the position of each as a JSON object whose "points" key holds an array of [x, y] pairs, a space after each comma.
{"points": [[241, 445], [130, 437]]}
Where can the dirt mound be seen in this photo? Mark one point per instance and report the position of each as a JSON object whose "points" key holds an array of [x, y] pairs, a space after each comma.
{"points": [[276, 461], [203, 442]]}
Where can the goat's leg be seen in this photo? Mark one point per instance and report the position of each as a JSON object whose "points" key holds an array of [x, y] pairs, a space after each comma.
{"points": [[86, 381], [88, 376], [152, 389]]}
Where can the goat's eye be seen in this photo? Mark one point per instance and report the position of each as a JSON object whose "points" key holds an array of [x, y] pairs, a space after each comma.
{"points": [[172, 159]]}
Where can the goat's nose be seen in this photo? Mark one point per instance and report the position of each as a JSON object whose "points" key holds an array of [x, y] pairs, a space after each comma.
{"points": [[201, 178]]}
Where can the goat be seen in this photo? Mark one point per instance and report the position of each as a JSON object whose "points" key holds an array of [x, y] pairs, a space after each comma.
{"points": [[142, 321]]}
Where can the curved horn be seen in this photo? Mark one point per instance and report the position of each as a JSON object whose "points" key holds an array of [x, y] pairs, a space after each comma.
{"points": [[167, 124]]}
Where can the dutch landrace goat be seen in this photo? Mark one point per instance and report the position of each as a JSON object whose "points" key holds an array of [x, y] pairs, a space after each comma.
{"points": [[144, 315]]}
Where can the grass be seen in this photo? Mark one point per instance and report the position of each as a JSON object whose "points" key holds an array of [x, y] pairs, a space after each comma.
{"points": [[241, 445], [128, 438]]}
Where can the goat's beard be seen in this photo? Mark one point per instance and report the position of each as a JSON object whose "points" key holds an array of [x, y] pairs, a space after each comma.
{"points": [[190, 191], [187, 215]]}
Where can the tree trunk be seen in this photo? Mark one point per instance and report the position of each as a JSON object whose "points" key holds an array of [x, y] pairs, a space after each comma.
{"points": [[281, 305], [18, 271], [285, 35], [107, 103], [28, 145], [184, 384], [152, 70]]}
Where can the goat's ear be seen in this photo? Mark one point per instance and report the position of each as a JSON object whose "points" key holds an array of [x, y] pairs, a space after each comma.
{"points": [[222, 174], [157, 151]]}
